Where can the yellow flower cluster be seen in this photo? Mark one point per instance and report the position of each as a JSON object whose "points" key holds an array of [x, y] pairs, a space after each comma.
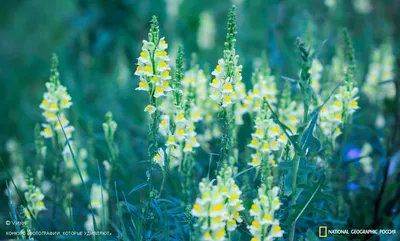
{"points": [[264, 88], [55, 101], [208, 108], [268, 141], [333, 114], [181, 139], [34, 198], [218, 207], [153, 70], [265, 227], [223, 84]]}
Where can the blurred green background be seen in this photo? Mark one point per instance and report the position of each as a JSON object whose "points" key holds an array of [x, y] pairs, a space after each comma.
{"points": [[98, 42]]}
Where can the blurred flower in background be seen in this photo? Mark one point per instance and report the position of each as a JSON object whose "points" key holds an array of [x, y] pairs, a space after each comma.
{"points": [[206, 31]]}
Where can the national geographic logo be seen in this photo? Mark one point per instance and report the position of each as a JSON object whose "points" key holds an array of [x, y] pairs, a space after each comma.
{"points": [[323, 231]]}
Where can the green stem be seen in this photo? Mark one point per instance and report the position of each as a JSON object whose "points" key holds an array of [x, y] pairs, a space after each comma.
{"points": [[162, 183], [296, 163]]}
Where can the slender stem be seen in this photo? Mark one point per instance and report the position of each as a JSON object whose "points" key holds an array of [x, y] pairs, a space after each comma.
{"points": [[162, 183], [296, 163]]}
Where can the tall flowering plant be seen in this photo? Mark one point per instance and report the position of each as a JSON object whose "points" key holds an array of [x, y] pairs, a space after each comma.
{"points": [[153, 70], [227, 74]]}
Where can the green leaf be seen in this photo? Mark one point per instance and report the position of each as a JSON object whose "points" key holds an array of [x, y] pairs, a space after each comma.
{"points": [[310, 236], [300, 210], [121, 220], [308, 142], [80, 174]]}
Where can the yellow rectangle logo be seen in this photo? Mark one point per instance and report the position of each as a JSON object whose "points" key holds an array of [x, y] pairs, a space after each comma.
{"points": [[323, 231]]}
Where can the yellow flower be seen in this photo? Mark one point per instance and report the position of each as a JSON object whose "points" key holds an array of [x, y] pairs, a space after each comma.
{"points": [[227, 99], [224, 189], [181, 132], [276, 229], [228, 87], [338, 116], [144, 54], [354, 103], [181, 116], [197, 207], [267, 217], [256, 224], [162, 64], [254, 207], [234, 196], [217, 207], [165, 73], [275, 129], [159, 89], [217, 219], [161, 54], [143, 84], [220, 234]]}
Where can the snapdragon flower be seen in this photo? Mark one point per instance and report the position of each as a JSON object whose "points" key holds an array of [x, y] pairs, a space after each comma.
{"points": [[218, 206], [55, 101], [227, 72], [153, 66], [268, 140], [180, 113], [338, 111], [265, 227], [154, 73], [224, 82], [264, 88], [54, 105], [34, 199]]}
